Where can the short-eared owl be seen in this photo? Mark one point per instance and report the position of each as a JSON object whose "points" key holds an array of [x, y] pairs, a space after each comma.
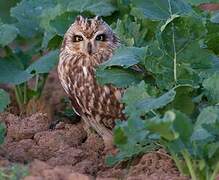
{"points": [[88, 43]]}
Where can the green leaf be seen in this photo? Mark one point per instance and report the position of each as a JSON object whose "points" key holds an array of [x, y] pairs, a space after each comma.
{"points": [[47, 36], [163, 126], [130, 139], [5, 10], [131, 33], [8, 33], [28, 15], [125, 57], [183, 126], [45, 63], [13, 72], [119, 136], [212, 38], [132, 95], [184, 31], [149, 104], [118, 77], [183, 100], [97, 7], [212, 149], [208, 115], [197, 2], [62, 22], [215, 18], [4, 100], [160, 9], [211, 86], [45, 18], [2, 132], [179, 40]]}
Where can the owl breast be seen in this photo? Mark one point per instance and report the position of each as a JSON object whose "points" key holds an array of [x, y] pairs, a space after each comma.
{"points": [[98, 103]]}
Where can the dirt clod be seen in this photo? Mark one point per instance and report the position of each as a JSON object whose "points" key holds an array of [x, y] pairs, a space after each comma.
{"points": [[18, 129]]}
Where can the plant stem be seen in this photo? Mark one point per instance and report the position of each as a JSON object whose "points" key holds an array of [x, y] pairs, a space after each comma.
{"points": [[18, 97], [189, 164], [36, 82], [215, 172], [177, 162], [41, 85], [25, 93], [174, 46]]}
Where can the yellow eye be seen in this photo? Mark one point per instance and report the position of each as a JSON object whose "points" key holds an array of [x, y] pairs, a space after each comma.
{"points": [[101, 37], [77, 38]]}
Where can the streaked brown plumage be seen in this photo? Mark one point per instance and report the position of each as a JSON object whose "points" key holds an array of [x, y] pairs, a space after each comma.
{"points": [[86, 44]]}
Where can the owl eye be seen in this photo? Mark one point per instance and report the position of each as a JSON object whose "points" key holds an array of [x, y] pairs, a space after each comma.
{"points": [[101, 37], [77, 38]]}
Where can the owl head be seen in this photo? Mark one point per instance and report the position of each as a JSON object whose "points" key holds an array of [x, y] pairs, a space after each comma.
{"points": [[90, 36]]}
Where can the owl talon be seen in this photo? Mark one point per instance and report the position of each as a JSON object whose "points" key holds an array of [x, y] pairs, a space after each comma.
{"points": [[109, 146]]}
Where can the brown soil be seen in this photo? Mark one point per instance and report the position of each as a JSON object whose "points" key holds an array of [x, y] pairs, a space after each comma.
{"points": [[61, 150]]}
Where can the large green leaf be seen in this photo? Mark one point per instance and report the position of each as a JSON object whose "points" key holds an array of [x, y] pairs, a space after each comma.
{"points": [[62, 22], [28, 13], [160, 9], [49, 14], [215, 18], [130, 137], [212, 38], [179, 40], [45, 63], [13, 72], [183, 126], [163, 126], [176, 58], [183, 100], [211, 86], [5, 10], [4, 100], [131, 33], [149, 104], [180, 33], [139, 102], [8, 33], [126, 57], [197, 2], [97, 7], [132, 95], [118, 77], [208, 115]]}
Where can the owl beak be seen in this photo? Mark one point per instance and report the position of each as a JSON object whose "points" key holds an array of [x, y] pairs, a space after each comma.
{"points": [[89, 48]]}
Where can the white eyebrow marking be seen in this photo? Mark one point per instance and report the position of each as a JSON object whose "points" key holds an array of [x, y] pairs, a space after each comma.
{"points": [[84, 70], [98, 33]]}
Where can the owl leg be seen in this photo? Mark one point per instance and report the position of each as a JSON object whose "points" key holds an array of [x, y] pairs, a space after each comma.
{"points": [[105, 133], [87, 126], [107, 136], [108, 143]]}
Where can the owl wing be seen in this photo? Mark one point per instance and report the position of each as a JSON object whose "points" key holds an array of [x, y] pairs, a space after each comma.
{"points": [[109, 107], [77, 109]]}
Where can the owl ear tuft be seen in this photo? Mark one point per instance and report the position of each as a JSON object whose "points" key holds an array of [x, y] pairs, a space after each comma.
{"points": [[79, 18], [98, 18]]}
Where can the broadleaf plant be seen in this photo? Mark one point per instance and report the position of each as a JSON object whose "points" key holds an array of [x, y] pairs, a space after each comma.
{"points": [[178, 89]]}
